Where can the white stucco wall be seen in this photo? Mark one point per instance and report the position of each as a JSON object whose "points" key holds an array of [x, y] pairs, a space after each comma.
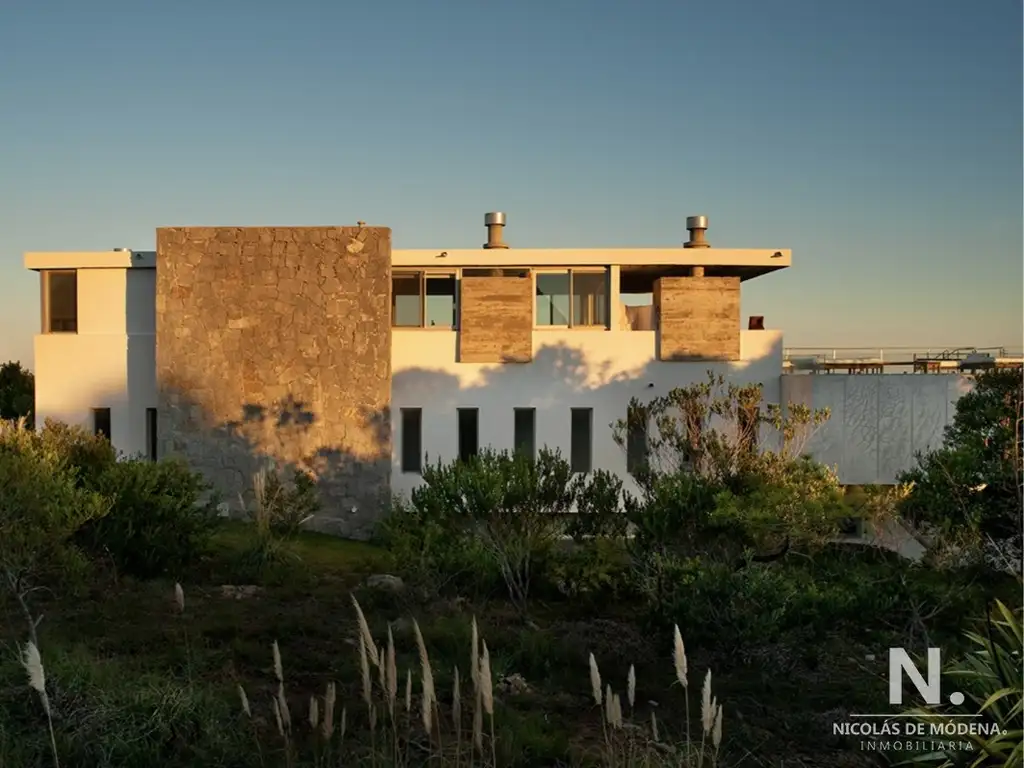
{"points": [[878, 422], [109, 363], [600, 369]]}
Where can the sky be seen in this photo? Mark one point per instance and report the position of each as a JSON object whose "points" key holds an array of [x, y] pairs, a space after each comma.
{"points": [[879, 140]]}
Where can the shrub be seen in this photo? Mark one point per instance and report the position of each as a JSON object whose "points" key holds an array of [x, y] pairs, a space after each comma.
{"points": [[41, 508], [87, 454], [990, 674], [598, 510], [161, 520], [17, 393], [973, 487]]}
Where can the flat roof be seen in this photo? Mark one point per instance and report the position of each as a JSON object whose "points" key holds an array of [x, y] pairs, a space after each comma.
{"points": [[90, 259], [744, 263]]}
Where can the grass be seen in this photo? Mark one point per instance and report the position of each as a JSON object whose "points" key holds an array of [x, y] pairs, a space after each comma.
{"points": [[138, 675]]}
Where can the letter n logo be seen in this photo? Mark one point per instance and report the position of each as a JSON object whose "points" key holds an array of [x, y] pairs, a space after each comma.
{"points": [[900, 663]]}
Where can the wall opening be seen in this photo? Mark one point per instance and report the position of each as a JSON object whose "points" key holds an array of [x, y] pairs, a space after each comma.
{"points": [[412, 440], [424, 300], [525, 432], [636, 442], [571, 298], [581, 439], [151, 438], [60, 301], [101, 422], [469, 433]]}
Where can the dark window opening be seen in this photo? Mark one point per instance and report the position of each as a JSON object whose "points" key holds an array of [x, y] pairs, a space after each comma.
{"points": [[151, 433], [60, 302], [524, 429], [412, 440], [469, 434], [636, 444], [581, 444], [101, 422]]}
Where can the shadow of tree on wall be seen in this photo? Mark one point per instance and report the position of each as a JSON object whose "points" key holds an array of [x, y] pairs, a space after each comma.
{"points": [[288, 432]]}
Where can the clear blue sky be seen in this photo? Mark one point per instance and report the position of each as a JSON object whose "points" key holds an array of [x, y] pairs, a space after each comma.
{"points": [[879, 139]]}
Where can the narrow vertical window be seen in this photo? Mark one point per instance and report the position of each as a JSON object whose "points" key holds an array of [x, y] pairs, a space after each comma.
{"points": [[101, 422], [581, 435], [525, 430], [469, 433], [412, 440], [60, 302], [636, 442], [151, 433]]}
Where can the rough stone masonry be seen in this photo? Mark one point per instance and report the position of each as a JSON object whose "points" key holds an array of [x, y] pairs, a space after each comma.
{"points": [[273, 345]]}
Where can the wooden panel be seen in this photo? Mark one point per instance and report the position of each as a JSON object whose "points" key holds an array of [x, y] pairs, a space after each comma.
{"points": [[496, 319], [699, 318]]}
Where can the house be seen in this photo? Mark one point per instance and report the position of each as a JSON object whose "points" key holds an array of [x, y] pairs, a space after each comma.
{"points": [[321, 348]]}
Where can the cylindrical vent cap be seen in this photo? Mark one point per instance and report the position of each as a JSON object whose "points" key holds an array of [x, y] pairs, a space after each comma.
{"points": [[495, 217], [696, 222]]}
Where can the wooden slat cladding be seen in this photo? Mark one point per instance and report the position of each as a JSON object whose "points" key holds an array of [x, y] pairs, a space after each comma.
{"points": [[496, 319], [699, 318]]}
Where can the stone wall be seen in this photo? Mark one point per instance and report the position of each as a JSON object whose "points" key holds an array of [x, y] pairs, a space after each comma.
{"points": [[274, 344], [496, 319], [699, 318]]}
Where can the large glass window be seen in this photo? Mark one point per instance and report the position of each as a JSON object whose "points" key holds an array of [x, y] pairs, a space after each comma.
{"points": [[423, 300], [60, 302], [574, 298], [553, 298]]}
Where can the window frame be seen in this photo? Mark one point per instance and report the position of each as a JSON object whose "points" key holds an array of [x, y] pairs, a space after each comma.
{"points": [[423, 275], [45, 302], [572, 271]]}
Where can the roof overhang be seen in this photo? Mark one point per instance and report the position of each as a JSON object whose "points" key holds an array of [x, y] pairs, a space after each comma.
{"points": [[744, 263], [39, 260]]}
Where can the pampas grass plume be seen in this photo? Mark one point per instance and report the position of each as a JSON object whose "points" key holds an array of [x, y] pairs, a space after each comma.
{"points": [[595, 680], [679, 657]]}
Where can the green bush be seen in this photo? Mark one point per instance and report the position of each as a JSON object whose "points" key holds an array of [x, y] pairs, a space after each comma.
{"points": [[87, 454], [161, 520], [598, 507], [41, 508]]}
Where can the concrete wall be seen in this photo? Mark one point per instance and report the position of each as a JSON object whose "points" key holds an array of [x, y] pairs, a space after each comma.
{"points": [[496, 319], [273, 343], [699, 318], [599, 369], [878, 422], [108, 363]]}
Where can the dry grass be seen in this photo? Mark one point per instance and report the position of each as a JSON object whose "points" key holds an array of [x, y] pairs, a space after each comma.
{"points": [[427, 731]]}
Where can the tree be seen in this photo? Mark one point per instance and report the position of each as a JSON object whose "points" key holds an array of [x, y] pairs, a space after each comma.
{"points": [[17, 392], [972, 487]]}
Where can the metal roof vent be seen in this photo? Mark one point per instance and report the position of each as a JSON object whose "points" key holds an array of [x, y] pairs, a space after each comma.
{"points": [[697, 225], [495, 223]]}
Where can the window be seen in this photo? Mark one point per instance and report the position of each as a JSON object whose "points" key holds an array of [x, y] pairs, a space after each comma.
{"points": [[412, 440], [636, 442], [552, 298], [151, 433], [524, 429], [469, 433], [101, 422], [60, 302], [574, 298], [581, 433], [423, 300]]}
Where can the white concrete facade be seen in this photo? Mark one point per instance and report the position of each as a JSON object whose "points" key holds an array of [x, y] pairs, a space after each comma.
{"points": [[109, 362], [878, 422]]}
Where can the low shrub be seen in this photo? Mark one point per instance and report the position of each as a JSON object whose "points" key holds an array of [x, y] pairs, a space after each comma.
{"points": [[87, 454], [41, 508], [162, 517]]}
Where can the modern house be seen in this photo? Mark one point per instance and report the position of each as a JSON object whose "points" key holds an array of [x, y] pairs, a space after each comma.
{"points": [[321, 348]]}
